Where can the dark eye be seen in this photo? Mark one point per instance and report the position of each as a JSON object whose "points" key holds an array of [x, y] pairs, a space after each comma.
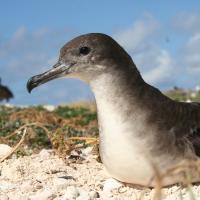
{"points": [[84, 50]]}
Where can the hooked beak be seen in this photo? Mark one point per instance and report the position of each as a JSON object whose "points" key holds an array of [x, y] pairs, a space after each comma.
{"points": [[58, 70]]}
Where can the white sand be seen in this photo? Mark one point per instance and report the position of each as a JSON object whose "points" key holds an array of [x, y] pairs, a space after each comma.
{"points": [[46, 176]]}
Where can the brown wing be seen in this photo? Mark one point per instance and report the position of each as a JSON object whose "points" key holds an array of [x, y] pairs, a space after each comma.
{"points": [[5, 93], [191, 125]]}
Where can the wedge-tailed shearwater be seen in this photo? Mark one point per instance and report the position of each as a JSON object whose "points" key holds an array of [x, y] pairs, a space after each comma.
{"points": [[140, 128]]}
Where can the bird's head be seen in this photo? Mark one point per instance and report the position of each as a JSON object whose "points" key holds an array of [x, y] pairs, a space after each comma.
{"points": [[84, 57]]}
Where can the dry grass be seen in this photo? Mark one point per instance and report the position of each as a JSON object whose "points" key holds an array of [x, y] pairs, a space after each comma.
{"points": [[49, 129]]}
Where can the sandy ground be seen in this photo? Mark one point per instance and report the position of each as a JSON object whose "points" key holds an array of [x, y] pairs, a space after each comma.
{"points": [[46, 176]]}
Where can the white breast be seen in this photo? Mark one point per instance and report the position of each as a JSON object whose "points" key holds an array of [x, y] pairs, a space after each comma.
{"points": [[122, 153]]}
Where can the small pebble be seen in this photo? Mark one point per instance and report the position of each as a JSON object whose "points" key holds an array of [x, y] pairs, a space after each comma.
{"points": [[4, 150], [109, 185], [94, 194], [4, 197], [6, 186], [71, 193], [60, 183], [44, 154], [27, 186], [83, 195], [44, 195]]}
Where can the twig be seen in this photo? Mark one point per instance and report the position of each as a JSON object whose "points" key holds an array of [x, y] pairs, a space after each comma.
{"points": [[24, 126], [23, 137], [158, 183], [90, 140], [16, 147]]}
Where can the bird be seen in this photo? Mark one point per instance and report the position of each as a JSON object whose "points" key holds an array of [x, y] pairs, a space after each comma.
{"points": [[140, 129], [5, 92]]}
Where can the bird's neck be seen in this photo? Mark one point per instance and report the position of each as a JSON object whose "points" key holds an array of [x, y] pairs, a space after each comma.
{"points": [[118, 87], [121, 94]]}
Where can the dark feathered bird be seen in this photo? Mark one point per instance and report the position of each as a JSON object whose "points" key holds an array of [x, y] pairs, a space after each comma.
{"points": [[140, 128], [5, 93]]}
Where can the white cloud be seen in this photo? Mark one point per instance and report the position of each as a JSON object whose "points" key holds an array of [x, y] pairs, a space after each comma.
{"points": [[19, 34], [154, 62], [187, 21], [157, 64], [26, 53], [191, 54], [163, 68], [133, 37]]}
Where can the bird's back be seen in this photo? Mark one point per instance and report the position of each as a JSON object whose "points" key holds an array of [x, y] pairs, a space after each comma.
{"points": [[183, 121], [191, 125]]}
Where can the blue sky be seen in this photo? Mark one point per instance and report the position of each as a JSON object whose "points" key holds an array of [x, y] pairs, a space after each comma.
{"points": [[163, 38]]}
